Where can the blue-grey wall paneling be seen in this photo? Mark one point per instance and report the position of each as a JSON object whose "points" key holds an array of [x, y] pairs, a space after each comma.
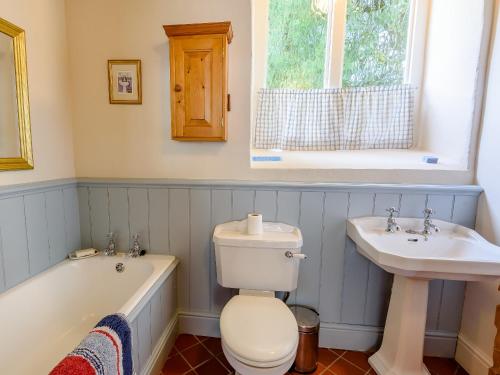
{"points": [[379, 282], [221, 213], [37, 232], [412, 205], [135, 345], [442, 204], [138, 215], [14, 243], [288, 212], [464, 210], [266, 204], [99, 216], [453, 292], [85, 220], [118, 217], [179, 240], [311, 224], [56, 225], [356, 266], [243, 203], [288, 207], [158, 221], [332, 267], [72, 219], [452, 301], [200, 214]]}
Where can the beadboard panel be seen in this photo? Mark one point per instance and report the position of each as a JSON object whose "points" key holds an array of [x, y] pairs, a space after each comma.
{"points": [[39, 226], [343, 285]]}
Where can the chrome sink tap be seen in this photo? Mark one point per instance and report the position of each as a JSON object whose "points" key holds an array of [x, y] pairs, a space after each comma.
{"points": [[429, 226], [392, 226], [110, 250], [135, 250]]}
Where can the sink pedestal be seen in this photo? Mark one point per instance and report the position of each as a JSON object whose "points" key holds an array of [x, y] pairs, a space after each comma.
{"points": [[402, 349]]}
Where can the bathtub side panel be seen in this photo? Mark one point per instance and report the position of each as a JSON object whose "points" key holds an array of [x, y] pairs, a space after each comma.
{"points": [[149, 327]]}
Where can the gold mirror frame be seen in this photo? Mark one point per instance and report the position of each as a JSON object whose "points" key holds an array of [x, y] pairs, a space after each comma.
{"points": [[23, 107]]}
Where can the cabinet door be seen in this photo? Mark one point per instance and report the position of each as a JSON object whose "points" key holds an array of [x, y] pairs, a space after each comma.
{"points": [[198, 88]]}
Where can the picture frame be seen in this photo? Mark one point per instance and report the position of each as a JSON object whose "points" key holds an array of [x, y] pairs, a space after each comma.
{"points": [[125, 81]]}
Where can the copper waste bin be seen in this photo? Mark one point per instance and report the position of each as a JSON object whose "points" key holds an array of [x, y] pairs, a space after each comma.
{"points": [[307, 351]]}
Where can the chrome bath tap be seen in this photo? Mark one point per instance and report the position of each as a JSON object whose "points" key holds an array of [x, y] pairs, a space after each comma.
{"points": [[110, 250], [135, 250], [392, 226]]}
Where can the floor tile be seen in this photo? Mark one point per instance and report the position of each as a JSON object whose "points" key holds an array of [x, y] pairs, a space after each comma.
{"points": [[342, 367], [201, 355], [185, 341], [221, 357], [175, 365], [196, 355], [212, 367], [318, 371], [359, 359], [213, 345], [326, 357], [441, 366], [339, 352]]}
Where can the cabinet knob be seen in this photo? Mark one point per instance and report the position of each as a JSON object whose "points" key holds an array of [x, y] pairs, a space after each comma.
{"points": [[177, 88]]}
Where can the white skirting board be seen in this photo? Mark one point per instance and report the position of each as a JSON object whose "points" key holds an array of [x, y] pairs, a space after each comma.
{"points": [[471, 358], [341, 336], [162, 348]]}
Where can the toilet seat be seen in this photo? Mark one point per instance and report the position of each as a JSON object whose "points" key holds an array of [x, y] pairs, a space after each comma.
{"points": [[259, 331]]}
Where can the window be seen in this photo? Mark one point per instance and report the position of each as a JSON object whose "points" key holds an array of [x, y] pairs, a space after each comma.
{"points": [[337, 43], [315, 64]]}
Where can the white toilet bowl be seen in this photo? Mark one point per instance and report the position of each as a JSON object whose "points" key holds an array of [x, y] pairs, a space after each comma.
{"points": [[259, 335]]}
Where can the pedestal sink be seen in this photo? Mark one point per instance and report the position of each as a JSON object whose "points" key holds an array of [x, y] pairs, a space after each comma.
{"points": [[455, 253]]}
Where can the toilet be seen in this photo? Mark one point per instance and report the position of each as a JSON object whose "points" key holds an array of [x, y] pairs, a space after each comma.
{"points": [[259, 333]]}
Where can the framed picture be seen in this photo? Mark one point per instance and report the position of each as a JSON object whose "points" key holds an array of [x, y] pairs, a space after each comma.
{"points": [[124, 78]]}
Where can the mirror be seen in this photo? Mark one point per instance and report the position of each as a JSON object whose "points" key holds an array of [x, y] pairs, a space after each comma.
{"points": [[15, 128]]}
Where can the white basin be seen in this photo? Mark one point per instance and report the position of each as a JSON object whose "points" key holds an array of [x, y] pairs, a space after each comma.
{"points": [[455, 253]]}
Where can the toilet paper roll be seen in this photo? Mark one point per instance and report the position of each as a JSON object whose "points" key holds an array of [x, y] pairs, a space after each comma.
{"points": [[254, 224]]}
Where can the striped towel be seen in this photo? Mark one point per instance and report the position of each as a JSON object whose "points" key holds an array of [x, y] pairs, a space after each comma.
{"points": [[107, 350]]}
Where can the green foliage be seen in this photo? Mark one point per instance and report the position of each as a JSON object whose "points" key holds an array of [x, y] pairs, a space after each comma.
{"points": [[297, 45], [375, 42]]}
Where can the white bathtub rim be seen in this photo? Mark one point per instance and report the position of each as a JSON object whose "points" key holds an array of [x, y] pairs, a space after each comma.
{"points": [[141, 297]]}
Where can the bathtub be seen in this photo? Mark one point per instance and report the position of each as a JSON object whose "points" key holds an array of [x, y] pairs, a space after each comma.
{"points": [[45, 317]]}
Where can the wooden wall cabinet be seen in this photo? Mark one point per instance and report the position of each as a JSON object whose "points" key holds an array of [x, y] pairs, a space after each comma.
{"points": [[198, 80]]}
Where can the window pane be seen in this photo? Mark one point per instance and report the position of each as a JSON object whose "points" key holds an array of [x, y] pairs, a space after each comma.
{"points": [[297, 43], [375, 42]]}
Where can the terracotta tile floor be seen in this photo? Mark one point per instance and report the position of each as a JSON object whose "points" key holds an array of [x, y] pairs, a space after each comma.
{"points": [[198, 355]]}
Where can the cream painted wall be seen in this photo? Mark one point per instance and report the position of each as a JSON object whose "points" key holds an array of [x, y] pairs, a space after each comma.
{"points": [[134, 141], [454, 61], [481, 299], [48, 78]]}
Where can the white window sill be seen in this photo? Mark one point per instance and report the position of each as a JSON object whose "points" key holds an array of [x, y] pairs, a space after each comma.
{"points": [[359, 159]]}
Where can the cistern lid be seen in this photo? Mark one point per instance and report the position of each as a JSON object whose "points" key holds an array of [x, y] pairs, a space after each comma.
{"points": [[274, 235]]}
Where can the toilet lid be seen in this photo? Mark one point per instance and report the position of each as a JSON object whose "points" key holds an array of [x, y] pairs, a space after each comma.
{"points": [[259, 329]]}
